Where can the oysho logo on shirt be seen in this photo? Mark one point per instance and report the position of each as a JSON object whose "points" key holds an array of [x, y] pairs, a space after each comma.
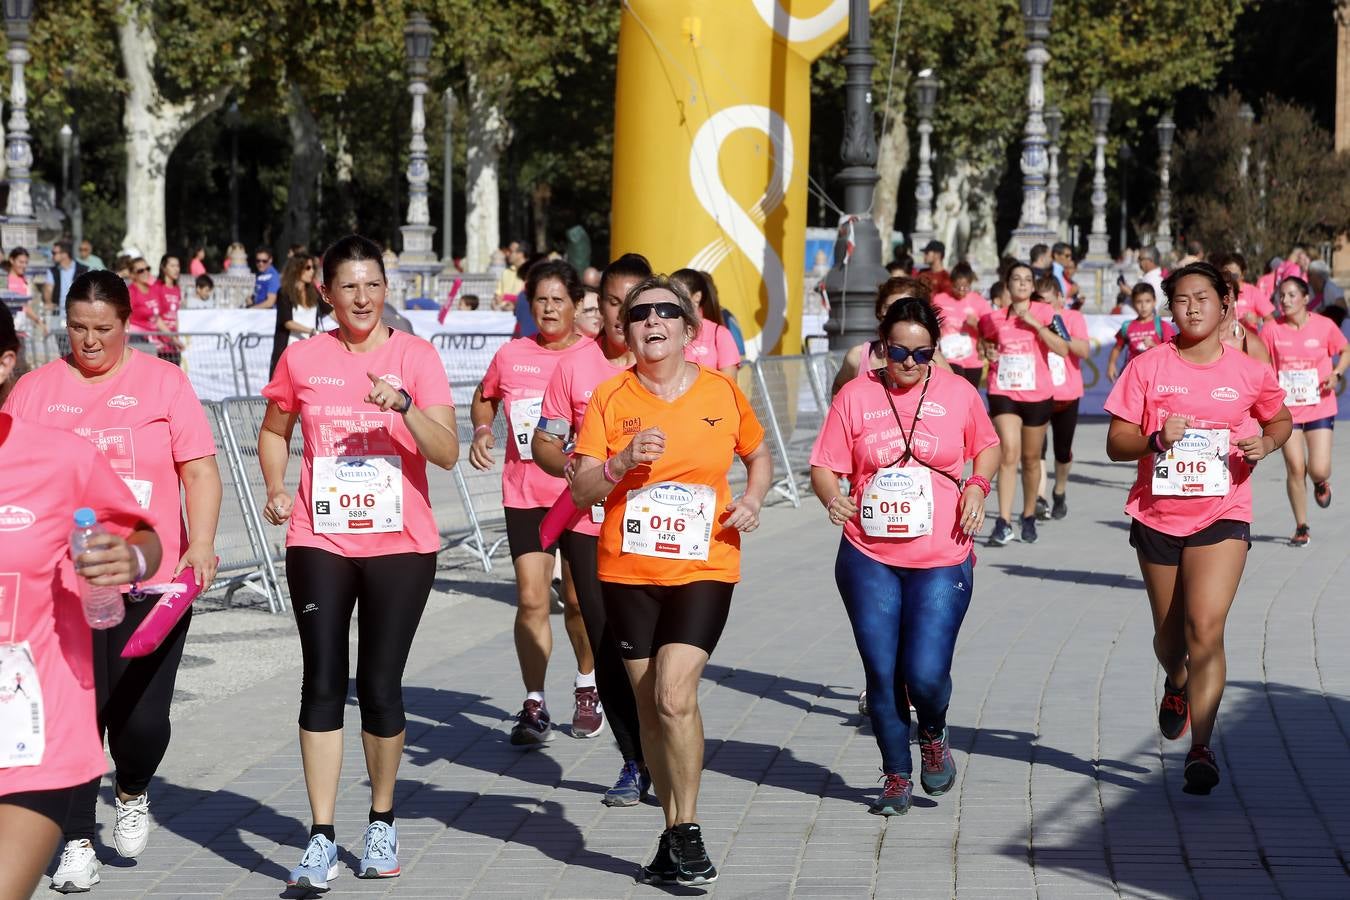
{"points": [[122, 401], [327, 379], [1226, 394], [15, 518], [1171, 389], [65, 408], [871, 414], [529, 370], [1311, 342]]}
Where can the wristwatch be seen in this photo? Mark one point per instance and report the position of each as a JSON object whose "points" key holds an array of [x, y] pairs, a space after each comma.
{"points": [[407, 402]]}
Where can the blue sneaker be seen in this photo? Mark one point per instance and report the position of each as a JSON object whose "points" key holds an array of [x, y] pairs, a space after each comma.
{"points": [[317, 867], [381, 857], [633, 785]]}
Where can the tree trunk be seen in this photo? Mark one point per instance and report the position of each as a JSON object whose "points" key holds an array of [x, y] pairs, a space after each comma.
{"points": [[488, 135], [154, 126], [892, 157], [306, 161], [541, 198], [342, 174]]}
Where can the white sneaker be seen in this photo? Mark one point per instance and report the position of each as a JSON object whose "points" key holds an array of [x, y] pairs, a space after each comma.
{"points": [[78, 870], [132, 828]]}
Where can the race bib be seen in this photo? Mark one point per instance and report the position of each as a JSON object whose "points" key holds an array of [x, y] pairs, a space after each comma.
{"points": [[141, 490], [525, 413], [1016, 372], [670, 520], [1195, 466], [22, 726], [898, 503], [1059, 369], [1301, 387], [598, 513], [957, 345], [357, 494]]}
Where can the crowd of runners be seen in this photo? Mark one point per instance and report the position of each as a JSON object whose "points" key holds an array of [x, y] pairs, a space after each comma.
{"points": [[622, 428]]}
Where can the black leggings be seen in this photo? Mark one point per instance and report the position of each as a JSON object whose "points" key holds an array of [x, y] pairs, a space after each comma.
{"points": [[611, 678], [1063, 423], [646, 617], [390, 593], [133, 697]]}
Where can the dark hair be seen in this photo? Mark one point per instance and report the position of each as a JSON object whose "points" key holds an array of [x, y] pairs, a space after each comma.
{"points": [[16, 253], [9, 337], [264, 249], [696, 282], [101, 286], [293, 289], [352, 248], [1204, 270], [1060, 247], [711, 307], [1038, 252], [64, 246], [554, 270], [164, 261], [1297, 282], [1195, 248], [204, 281], [1047, 285], [1143, 287], [630, 265], [1013, 267], [962, 270], [912, 309], [996, 290], [914, 287], [469, 300]]}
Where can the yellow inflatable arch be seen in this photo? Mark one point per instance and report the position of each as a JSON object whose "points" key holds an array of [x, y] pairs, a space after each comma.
{"points": [[712, 124]]}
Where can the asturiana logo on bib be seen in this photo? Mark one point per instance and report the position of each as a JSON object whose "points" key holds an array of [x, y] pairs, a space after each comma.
{"points": [[671, 495], [1226, 394], [122, 401], [357, 472], [896, 482], [1193, 443], [65, 408], [326, 379], [15, 518], [1171, 389], [933, 410]]}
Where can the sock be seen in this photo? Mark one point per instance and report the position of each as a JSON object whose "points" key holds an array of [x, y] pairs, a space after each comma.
{"points": [[385, 817], [325, 830], [585, 681], [537, 695]]}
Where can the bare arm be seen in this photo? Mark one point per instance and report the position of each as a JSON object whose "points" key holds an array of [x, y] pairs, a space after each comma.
{"points": [[110, 561], [547, 450], [481, 413], [848, 370], [743, 511], [274, 451], [202, 488]]}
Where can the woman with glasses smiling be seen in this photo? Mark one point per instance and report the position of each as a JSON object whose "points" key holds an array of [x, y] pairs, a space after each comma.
{"points": [[905, 568], [299, 307]]}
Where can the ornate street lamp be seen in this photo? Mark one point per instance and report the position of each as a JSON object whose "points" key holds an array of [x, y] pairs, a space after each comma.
{"points": [[1166, 130], [925, 95], [1248, 117], [1054, 119], [418, 256], [447, 187], [1098, 241], [1031, 227], [232, 123], [852, 283], [20, 227]]}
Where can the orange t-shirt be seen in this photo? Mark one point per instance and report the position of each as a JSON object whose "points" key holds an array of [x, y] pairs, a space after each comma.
{"points": [[704, 428]]}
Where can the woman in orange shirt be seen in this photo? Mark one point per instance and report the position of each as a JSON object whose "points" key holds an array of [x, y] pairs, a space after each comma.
{"points": [[656, 446]]}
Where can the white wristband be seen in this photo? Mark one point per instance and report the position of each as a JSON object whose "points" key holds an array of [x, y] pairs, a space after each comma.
{"points": [[140, 563]]}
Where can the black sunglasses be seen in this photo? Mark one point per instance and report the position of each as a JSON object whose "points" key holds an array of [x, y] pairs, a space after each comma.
{"points": [[922, 355], [140, 269], [639, 312], [262, 261]]}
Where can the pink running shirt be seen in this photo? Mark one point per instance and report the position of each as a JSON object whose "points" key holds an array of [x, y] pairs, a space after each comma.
{"points": [[867, 363], [960, 340], [520, 372], [62, 472], [860, 436], [569, 393], [1013, 337], [145, 307], [1235, 393], [1139, 335], [1310, 347], [713, 347], [145, 419], [1251, 300], [1072, 387], [327, 385]]}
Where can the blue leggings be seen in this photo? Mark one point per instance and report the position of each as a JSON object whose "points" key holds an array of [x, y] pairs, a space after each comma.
{"points": [[905, 622]]}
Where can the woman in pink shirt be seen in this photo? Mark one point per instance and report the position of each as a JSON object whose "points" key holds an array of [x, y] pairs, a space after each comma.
{"points": [[145, 300], [713, 346], [52, 751], [1066, 375], [905, 568], [1253, 308], [961, 311], [862, 359], [1302, 346], [1017, 341], [144, 417], [516, 379], [374, 407], [1197, 415], [565, 401], [197, 265], [170, 298]]}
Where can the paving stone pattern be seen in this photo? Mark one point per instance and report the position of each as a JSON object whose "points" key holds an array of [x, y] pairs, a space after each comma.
{"points": [[1065, 790]]}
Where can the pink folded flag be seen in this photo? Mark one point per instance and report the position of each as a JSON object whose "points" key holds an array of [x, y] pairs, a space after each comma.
{"points": [[174, 599], [561, 516], [449, 301]]}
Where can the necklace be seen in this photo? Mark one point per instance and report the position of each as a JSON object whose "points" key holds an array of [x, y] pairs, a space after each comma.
{"points": [[674, 395]]}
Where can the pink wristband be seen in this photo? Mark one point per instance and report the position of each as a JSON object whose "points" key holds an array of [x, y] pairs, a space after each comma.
{"points": [[829, 507], [481, 428], [980, 482], [608, 476]]}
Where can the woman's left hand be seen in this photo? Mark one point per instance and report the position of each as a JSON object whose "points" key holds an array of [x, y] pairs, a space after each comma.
{"points": [[972, 510], [383, 394], [109, 561], [1333, 379], [202, 559], [1254, 448], [743, 514]]}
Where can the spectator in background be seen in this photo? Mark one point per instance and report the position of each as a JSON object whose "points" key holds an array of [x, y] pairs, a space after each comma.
{"points": [[295, 250], [87, 257], [122, 267], [1071, 293], [512, 281], [170, 299], [526, 326], [1195, 252], [934, 272], [197, 265], [468, 302], [1042, 264], [65, 270], [268, 285], [299, 307], [588, 311], [1328, 297], [203, 287], [144, 300], [16, 267], [1061, 256], [728, 320], [1150, 263], [590, 278], [998, 295]]}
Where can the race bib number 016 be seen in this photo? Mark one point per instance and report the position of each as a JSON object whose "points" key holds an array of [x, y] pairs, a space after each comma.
{"points": [[1016, 372], [957, 345], [358, 494], [1195, 466], [1301, 387], [23, 738], [1059, 369], [898, 503], [671, 520]]}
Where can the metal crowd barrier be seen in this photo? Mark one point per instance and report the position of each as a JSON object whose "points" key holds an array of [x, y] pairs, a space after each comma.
{"points": [[481, 492], [466, 356], [798, 404], [762, 402]]}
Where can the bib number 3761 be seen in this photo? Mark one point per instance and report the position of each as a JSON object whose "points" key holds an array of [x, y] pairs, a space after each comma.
{"points": [[1195, 466], [671, 520]]}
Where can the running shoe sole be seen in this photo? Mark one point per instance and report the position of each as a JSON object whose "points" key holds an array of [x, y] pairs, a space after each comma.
{"points": [[651, 876], [1201, 778], [619, 802], [587, 735], [71, 888], [321, 886], [1317, 496], [372, 873], [887, 809], [696, 881], [529, 739], [937, 791]]}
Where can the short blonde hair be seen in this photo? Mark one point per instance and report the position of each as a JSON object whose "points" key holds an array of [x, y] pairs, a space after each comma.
{"points": [[663, 283]]}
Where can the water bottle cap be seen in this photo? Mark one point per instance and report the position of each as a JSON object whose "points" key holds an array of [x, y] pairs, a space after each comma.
{"points": [[85, 518]]}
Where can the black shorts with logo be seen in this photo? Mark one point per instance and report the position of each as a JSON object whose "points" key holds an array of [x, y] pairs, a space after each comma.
{"points": [[1163, 549]]}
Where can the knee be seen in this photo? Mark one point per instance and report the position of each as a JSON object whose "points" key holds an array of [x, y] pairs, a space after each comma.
{"points": [[381, 702], [1204, 634], [1009, 455], [322, 702], [674, 703], [1030, 459]]}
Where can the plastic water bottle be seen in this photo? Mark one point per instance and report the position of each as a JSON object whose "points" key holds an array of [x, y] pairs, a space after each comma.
{"points": [[103, 606]]}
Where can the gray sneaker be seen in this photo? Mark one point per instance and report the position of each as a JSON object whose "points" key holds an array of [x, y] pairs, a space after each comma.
{"points": [[1003, 533], [381, 857]]}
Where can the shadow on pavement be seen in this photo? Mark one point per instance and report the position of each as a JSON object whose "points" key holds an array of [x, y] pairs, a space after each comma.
{"points": [[1074, 576], [781, 689]]}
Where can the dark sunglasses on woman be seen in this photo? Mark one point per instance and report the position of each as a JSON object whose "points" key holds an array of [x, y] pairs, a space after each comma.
{"points": [[922, 355], [639, 312]]}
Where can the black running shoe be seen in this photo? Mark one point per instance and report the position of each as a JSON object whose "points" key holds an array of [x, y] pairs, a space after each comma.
{"points": [[1174, 713], [1061, 506], [1003, 533], [661, 870], [897, 795], [1042, 509], [1322, 493], [1201, 772], [1302, 535], [1029, 530], [690, 857]]}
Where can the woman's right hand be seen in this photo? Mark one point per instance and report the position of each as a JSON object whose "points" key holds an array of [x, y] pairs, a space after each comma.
{"points": [[279, 506], [1111, 373], [109, 561], [480, 451], [842, 509], [646, 447], [1173, 430]]}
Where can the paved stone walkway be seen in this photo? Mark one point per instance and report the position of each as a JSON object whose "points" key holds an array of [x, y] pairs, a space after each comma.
{"points": [[1065, 788]]}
